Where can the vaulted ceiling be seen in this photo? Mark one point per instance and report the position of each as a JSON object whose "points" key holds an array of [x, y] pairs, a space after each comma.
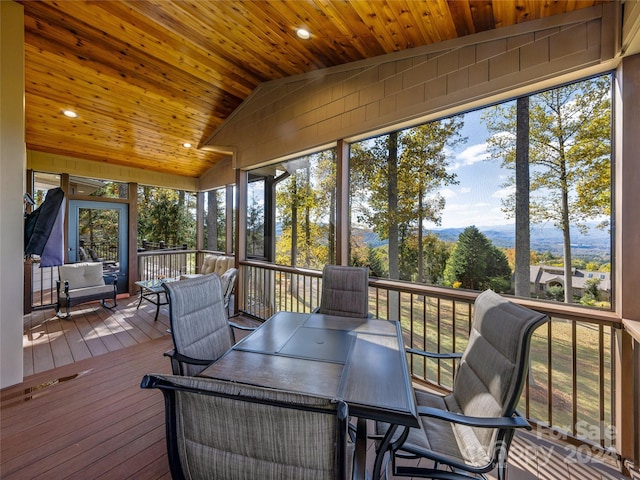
{"points": [[147, 76]]}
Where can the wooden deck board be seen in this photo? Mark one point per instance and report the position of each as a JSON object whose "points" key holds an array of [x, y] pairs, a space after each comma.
{"points": [[89, 336], [87, 424]]}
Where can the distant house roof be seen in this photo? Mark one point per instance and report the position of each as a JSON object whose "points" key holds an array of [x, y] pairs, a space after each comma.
{"points": [[543, 274]]}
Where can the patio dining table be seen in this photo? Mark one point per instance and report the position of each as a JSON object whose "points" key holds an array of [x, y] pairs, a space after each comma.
{"points": [[357, 360]]}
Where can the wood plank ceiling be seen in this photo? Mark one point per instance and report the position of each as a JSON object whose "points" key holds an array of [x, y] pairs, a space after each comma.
{"points": [[146, 76]]}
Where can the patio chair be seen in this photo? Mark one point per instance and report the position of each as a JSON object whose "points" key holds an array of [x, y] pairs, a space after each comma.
{"points": [[345, 291], [228, 279], [469, 431], [225, 430], [199, 325], [84, 282]]}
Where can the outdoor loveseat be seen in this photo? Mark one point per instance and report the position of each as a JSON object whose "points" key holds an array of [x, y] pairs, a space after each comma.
{"points": [[84, 282]]}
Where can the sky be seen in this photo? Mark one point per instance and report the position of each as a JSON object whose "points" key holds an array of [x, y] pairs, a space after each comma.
{"points": [[476, 200]]}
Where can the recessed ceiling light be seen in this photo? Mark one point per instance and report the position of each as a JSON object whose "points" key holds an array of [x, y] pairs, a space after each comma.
{"points": [[303, 33], [186, 145], [69, 113]]}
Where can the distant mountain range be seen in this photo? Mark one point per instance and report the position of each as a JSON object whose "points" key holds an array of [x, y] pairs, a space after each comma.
{"points": [[595, 244]]}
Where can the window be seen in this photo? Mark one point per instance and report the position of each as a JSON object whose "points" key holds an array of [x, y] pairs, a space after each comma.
{"points": [[166, 218], [215, 216], [440, 203], [98, 188], [303, 217], [256, 220], [305, 211]]}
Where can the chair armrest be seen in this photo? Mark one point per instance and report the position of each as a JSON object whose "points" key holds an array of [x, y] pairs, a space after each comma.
{"points": [[242, 327], [434, 354], [110, 278], [515, 421], [186, 359]]}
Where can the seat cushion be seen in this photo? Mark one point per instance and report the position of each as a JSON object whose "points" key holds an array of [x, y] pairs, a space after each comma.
{"points": [[86, 294], [208, 264], [216, 264], [80, 275], [442, 437], [223, 264]]}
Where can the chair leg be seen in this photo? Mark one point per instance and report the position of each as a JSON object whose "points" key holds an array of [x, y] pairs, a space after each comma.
{"points": [[104, 304], [502, 470], [67, 315]]}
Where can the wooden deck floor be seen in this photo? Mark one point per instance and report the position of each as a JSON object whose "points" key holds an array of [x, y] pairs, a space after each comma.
{"points": [[80, 413], [51, 342]]}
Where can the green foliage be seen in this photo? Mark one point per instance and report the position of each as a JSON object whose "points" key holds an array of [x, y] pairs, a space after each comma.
{"points": [[215, 226], [166, 215], [555, 292], [591, 293], [395, 187], [376, 262], [569, 156], [255, 222], [570, 146], [476, 264], [305, 209]]}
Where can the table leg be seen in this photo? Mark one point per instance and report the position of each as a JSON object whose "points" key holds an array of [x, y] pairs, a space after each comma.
{"points": [[140, 301], [360, 454], [157, 307]]}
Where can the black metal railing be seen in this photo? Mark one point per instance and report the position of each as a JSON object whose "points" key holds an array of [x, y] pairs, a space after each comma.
{"points": [[570, 389]]}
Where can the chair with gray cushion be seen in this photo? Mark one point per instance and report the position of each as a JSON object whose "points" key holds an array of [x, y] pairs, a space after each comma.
{"points": [[199, 325], [228, 280], [468, 432], [345, 291], [84, 282], [225, 430]]}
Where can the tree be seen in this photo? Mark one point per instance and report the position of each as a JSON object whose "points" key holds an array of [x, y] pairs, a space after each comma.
{"points": [[422, 173], [476, 264], [255, 225], [215, 224], [522, 277], [305, 206], [591, 291], [166, 215], [395, 181], [211, 220], [569, 156]]}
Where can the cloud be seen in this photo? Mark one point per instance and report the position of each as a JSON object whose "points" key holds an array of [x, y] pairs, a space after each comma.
{"points": [[448, 193], [459, 215], [470, 156], [504, 192]]}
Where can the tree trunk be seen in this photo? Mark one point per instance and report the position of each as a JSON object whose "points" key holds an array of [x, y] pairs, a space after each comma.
{"points": [[212, 220], [394, 251], [294, 224], [566, 236], [307, 223], [394, 270], [522, 234], [420, 252], [332, 226]]}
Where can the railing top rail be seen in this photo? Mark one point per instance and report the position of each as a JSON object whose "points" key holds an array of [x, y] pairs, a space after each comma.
{"points": [[560, 310], [165, 251], [282, 268]]}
